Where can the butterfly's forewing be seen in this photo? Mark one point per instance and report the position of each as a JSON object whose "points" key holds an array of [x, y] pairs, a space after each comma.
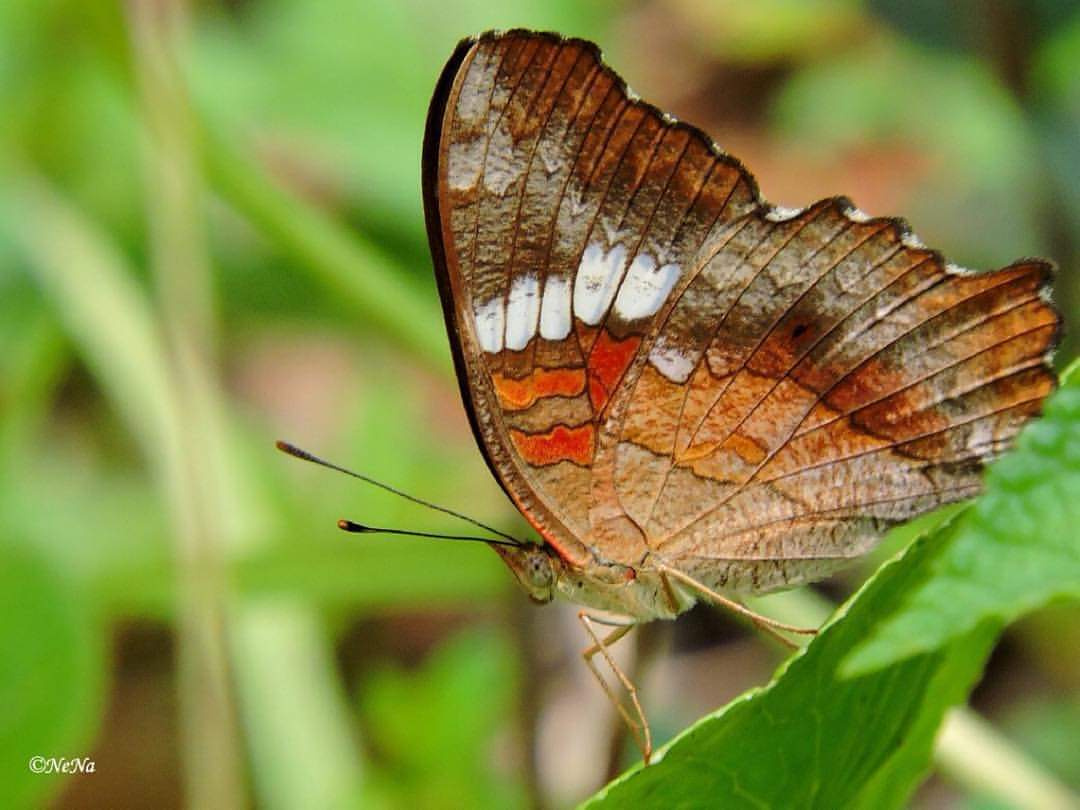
{"points": [[653, 358], [545, 185]]}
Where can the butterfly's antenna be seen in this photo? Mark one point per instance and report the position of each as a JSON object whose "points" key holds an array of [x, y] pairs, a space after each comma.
{"points": [[349, 526], [293, 450]]}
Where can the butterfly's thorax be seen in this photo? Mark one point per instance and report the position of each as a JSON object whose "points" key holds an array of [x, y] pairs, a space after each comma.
{"points": [[640, 594], [637, 592]]}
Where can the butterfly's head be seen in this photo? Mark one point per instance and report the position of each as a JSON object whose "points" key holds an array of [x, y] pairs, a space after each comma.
{"points": [[535, 568]]}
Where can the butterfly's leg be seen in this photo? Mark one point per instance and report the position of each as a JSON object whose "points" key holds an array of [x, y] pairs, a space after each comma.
{"points": [[770, 626], [638, 728]]}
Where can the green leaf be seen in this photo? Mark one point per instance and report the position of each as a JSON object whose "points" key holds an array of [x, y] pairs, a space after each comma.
{"points": [[813, 738], [1013, 551], [51, 673]]}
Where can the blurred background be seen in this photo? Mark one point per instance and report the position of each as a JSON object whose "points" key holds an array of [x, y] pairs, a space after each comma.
{"points": [[211, 236]]}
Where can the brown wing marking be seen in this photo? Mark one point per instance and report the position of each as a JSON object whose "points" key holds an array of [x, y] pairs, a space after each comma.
{"points": [[944, 382]]}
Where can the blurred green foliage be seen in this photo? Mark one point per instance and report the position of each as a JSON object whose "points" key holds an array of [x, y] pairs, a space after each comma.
{"points": [[52, 680], [211, 233], [460, 697]]}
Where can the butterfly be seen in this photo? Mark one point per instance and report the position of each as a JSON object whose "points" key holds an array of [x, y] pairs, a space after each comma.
{"points": [[688, 392]]}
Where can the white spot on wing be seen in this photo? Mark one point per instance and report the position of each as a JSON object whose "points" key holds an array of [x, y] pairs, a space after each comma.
{"points": [[981, 437], [522, 311], [464, 163], [578, 205], [501, 171], [782, 214], [555, 313], [645, 288], [671, 361], [490, 321], [551, 156], [597, 279], [473, 97], [611, 233]]}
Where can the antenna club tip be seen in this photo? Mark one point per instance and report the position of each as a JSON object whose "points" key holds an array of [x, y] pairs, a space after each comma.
{"points": [[349, 526], [294, 451]]}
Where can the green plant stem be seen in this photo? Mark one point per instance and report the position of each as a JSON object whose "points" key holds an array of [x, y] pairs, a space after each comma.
{"points": [[284, 664], [972, 753], [104, 312], [281, 663], [210, 741], [342, 260]]}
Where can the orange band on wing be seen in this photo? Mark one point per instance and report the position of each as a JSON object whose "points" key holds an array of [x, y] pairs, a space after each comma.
{"points": [[516, 395], [561, 443], [747, 449], [598, 395], [607, 362]]}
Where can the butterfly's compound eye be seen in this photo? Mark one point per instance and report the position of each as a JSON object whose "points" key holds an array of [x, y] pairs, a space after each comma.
{"points": [[534, 569], [541, 574]]}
